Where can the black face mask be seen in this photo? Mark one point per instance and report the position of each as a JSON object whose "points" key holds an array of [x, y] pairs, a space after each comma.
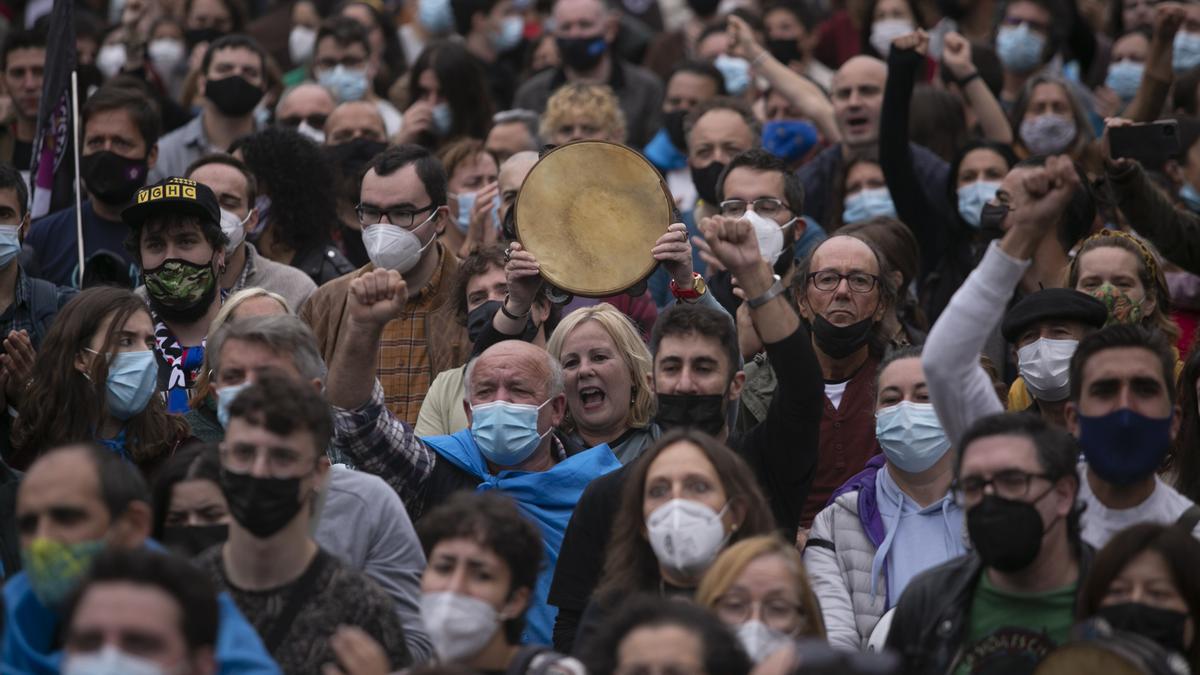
{"points": [[841, 341], [111, 178], [582, 53], [705, 181], [703, 8], [1007, 534], [194, 540], [350, 157], [673, 124], [195, 36], [263, 506], [705, 412], [481, 316], [234, 96], [1164, 626], [785, 51]]}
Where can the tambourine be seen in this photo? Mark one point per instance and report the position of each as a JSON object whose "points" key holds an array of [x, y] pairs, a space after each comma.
{"points": [[590, 211]]}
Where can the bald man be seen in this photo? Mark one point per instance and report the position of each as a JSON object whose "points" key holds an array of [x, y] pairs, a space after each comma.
{"points": [[74, 502], [305, 108], [513, 397], [353, 120], [857, 103], [512, 174]]}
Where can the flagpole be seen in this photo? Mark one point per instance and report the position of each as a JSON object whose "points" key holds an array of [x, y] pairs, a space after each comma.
{"points": [[78, 182]]}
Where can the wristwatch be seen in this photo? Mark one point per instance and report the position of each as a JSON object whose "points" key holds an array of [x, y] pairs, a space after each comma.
{"points": [[697, 289]]}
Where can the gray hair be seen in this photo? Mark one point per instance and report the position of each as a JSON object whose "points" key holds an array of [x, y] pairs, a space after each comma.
{"points": [[285, 334], [555, 382], [529, 118]]}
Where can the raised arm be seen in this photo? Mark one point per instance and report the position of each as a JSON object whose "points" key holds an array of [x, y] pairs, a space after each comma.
{"points": [[806, 95], [956, 58], [1158, 74], [365, 431]]}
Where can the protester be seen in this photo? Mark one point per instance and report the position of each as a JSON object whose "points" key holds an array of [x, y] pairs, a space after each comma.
{"points": [[893, 520], [233, 81], [140, 611], [689, 84], [512, 131], [1011, 600], [491, 30], [444, 91], [112, 512], [483, 566], [1141, 582], [190, 513], [22, 60], [471, 174], [759, 588], [355, 135], [345, 64], [306, 108], [98, 361], [293, 592], [119, 146], [236, 191], [175, 234]]}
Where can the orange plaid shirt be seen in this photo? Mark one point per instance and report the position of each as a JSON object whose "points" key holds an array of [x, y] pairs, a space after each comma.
{"points": [[404, 369]]}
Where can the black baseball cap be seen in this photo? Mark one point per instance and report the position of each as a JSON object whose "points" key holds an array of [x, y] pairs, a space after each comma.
{"points": [[173, 195], [1053, 303]]}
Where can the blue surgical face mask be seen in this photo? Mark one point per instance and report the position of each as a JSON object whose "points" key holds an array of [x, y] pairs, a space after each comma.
{"points": [[735, 71], [911, 436], [1124, 78], [506, 433], [868, 203], [1187, 51], [10, 244], [1020, 48], [346, 84], [466, 204], [443, 119], [436, 16], [789, 140], [512, 28], [225, 397], [132, 380], [1123, 446], [1190, 196], [972, 197]]}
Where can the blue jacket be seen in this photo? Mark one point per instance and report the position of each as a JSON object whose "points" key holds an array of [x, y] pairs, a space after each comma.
{"points": [[31, 647], [545, 497]]}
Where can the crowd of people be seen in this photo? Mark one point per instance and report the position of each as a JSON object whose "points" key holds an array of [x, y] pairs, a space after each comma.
{"points": [[913, 385]]}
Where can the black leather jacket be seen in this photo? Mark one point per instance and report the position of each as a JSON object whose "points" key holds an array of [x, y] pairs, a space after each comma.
{"points": [[322, 263], [933, 616]]}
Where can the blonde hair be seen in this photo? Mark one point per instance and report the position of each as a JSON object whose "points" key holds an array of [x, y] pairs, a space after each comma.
{"points": [[628, 343], [733, 560], [594, 101], [203, 385]]}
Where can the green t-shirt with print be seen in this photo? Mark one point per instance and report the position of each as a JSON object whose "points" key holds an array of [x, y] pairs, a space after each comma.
{"points": [[1011, 632]]}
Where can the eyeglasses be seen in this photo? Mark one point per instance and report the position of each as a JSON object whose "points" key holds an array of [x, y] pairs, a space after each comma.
{"points": [[282, 462], [315, 120], [768, 207], [1008, 484], [369, 214], [775, 612], [829, 280]]}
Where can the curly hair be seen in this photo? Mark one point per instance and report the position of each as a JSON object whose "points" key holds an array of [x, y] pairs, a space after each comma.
{"points": [[595, 102], [297, 176], [630, 564], [57, 385], [491, 520]]}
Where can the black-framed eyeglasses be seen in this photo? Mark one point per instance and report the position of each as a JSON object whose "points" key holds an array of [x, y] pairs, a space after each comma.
{"points": [[315, 120], [768, 207], [829, 280], [401, 216], [1009, 484]]}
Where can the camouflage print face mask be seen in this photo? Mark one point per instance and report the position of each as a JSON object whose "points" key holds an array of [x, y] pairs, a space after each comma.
{"points": [[179, 283], [1121, 308]]}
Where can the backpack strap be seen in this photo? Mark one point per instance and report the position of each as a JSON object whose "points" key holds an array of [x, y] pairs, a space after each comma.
{"points": [[43, 306], [1189, 519]]}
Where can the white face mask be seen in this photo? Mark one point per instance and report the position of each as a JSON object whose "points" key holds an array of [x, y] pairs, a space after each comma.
{"points": [[301, 41], [459, 625], [886, 30], [234, 229], [686, 536], [769, 233], [110, 60], [760, 640], [315, 135], [391, 247], [1045, 365], [166, 53], [111, 661]]}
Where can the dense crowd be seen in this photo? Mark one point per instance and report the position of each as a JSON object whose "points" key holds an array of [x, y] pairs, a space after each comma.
{"points": [[908, 380]]}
